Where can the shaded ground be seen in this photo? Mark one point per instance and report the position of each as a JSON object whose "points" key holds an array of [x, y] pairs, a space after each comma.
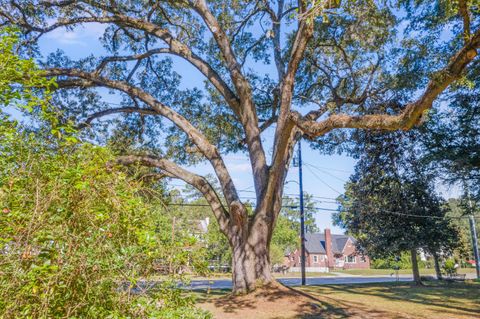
{"points": [[272, 302], [386, 300]]}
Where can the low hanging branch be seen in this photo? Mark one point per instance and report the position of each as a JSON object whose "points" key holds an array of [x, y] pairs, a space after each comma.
{"points": [[197, 137], [197, 181]]}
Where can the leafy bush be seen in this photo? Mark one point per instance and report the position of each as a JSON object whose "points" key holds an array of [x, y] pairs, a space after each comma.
{"points": [[404, 262], [73, 228], [76, 233], [449, 267]]}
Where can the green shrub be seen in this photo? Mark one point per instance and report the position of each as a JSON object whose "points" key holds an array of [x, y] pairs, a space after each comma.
{"points": [[449, 267], [404, 262], [73, 228]]}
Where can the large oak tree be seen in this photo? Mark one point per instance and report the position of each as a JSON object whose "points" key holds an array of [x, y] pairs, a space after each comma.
{"points": [[295, 68]]}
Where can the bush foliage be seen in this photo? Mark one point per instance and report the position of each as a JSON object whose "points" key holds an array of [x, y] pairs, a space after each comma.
{"points": [[74, 229], [78, 235]]}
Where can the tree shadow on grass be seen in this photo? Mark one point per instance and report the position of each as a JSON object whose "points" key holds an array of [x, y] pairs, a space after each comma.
{"points": [[434, 295], [285, 302], [330, 308]]}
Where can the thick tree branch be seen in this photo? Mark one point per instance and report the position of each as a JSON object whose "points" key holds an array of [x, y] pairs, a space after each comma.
{"points": [[412, 112], [205, 147], [285, 128], [247, 113], [465, 14], [197, 181], [99, 114], [175, 47], [276, 39], [73, 83], [241, 84]]}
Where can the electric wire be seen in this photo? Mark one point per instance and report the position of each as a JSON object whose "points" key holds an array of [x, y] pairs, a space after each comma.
{"points": [[325, 172], [324, 183]]}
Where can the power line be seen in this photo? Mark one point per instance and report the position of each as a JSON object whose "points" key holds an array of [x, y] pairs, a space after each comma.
{"points": [[293, 195], [286, 206], [325, 172], [245, 190], [284, 198], [324, 209], [329, 168], [420, 216], [326, 184]]}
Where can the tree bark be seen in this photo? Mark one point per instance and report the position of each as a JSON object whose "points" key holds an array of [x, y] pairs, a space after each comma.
{"points": [[416, 273], [251, 258], [438, 271]]}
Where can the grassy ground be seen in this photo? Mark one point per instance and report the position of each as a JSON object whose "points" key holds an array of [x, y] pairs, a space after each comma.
{"points": [[454, 300], [386, 300], [373, 272]]}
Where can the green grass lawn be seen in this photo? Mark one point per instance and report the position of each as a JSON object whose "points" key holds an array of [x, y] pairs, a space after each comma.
{"points": [[373, 272], [436, 300], [391, 300]]}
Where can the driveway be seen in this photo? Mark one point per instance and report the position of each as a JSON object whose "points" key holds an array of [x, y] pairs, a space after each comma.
{"points": [[226, 284]]}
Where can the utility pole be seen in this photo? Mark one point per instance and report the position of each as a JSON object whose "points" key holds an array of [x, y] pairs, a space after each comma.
{"points": [[302, 214], [473, 232], [475, 244]]}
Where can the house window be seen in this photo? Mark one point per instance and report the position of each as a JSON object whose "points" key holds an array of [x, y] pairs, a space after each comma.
{"points": [[350, 259], [363, 259], [322, 258], [315, 259]]}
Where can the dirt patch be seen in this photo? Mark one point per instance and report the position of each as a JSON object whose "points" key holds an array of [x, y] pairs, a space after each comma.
{"points": [[275, 301]]}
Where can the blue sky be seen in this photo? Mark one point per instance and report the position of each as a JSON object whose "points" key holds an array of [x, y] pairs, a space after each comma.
{"points": [[324, 176]]}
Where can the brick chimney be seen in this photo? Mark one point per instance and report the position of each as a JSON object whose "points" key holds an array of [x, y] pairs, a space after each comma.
{"points": [[328, 248]]}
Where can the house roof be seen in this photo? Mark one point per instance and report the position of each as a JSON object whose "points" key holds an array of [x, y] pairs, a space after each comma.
{"points": [[315, 243]]}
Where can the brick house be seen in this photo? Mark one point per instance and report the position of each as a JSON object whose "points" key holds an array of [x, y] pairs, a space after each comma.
{"points": [[327, 251]]}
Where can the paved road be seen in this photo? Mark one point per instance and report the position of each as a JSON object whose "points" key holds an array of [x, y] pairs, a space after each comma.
{"points": [[225, 284]]}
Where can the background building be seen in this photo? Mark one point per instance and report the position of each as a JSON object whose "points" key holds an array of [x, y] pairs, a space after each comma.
{"points": [[327, 251]]}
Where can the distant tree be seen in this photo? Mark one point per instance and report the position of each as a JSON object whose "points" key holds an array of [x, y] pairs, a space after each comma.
{"points": [[457, 210], [390, 205], [291, 211], [451, 140], [354, 64]]}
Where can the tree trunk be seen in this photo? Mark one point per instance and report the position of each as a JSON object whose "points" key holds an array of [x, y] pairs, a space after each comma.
{"points": [[438, 271], [251, 259], [416, 273]]}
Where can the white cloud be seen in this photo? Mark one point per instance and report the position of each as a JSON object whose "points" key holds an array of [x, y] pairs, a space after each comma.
{"points": [[240, 168], [82, 35]]}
